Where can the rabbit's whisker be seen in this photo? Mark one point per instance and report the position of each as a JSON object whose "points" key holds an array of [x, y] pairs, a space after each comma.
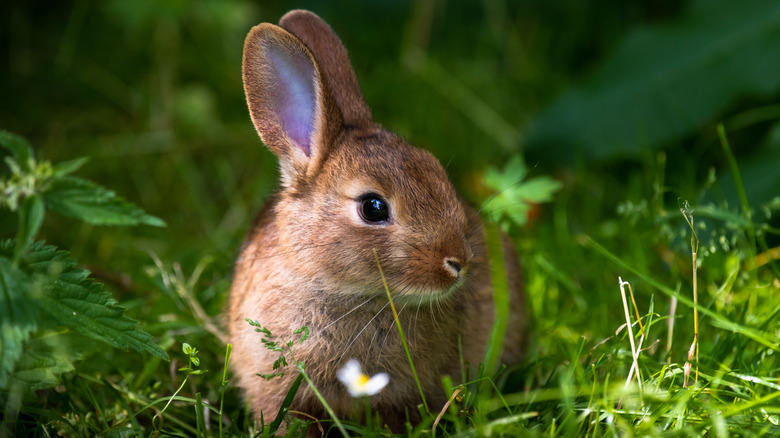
{"points": [[354, 338], [342, 316]]}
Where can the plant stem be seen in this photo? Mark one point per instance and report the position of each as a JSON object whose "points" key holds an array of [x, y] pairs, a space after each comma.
{"points": [[228, 350], [401, 332], [498, 279], [322, 400]]}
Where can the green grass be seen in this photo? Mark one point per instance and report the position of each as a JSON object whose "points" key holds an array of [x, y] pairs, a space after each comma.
{"points": [[151, 93]]}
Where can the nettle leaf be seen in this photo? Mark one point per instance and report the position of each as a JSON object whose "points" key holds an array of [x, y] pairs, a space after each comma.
{"points": [[18, 315], [48, 356], [75, 301], [20, 149], [90, 202]]}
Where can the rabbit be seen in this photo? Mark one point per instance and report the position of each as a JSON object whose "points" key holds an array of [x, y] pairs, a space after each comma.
{"points": [[349, 187]]}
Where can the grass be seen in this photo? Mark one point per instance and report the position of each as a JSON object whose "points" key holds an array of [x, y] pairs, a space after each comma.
{"points": [[169, 131], [602, 364]]}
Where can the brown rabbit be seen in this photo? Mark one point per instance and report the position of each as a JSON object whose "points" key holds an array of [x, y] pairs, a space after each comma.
{"points": [[349, 187]]}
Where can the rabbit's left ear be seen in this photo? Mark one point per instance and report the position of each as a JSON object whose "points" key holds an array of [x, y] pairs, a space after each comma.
{"points": [[290, 104]]}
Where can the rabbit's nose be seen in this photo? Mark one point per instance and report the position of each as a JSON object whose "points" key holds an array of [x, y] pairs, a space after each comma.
{"points": [[453, 265]]}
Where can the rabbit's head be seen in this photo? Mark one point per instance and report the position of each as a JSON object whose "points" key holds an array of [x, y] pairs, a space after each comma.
{"points": [[347, 185]]}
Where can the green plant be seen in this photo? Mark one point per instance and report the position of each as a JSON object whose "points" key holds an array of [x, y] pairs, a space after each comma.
{"points": [[516, 194], [189, 370], [50, 309], [285, 349]]}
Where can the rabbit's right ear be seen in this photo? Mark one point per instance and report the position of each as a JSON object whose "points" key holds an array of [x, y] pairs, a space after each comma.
{"points": [[332, 58], [288, 100]]}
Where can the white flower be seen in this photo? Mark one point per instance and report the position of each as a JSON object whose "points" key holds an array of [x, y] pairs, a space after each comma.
{"points": [[359, 384]]}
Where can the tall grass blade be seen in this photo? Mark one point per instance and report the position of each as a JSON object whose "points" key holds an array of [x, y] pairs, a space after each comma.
{"points": [[401, 333], [500, 296], [288, 399], [718, 320]]}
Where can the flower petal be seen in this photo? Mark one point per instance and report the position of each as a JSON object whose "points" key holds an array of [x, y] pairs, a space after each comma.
{"points": [[376, 383], [350, 373], [359, 384]]}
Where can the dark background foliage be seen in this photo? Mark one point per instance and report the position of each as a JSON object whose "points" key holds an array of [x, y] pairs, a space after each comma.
{"points": [[616, 99]]}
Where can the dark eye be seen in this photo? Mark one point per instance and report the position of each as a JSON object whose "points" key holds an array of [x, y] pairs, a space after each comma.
{"points": [[373, 208]]}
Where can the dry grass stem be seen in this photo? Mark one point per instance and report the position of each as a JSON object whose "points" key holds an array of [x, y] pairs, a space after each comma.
{"points": [[688, 215], [634, 351], [444, 409]]}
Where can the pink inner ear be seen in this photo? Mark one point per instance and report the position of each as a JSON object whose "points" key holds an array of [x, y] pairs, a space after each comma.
{"points": [[293, 94]]}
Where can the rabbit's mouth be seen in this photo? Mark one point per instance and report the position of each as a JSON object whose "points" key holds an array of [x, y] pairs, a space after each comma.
{"points": [[425, 294]]}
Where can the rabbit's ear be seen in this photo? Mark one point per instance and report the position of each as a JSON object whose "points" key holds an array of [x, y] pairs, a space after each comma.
{"points": [[289, 103], [332, 58]]}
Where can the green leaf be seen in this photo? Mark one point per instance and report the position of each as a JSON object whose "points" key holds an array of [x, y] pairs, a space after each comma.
{"points": [[515, 197], [30, 219], [47, 357], [304, 332], [20, 149], [90, 202], [18, 316], [536, 190], [665, 81], [74, 301], [285, 406], [513, 173], [68, 167]]}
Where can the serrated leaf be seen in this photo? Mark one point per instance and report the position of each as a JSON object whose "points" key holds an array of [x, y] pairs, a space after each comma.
{"points": [[90, 202], [46, 358], [665, 81], [18, 315], [20, 149], [75, 301]]}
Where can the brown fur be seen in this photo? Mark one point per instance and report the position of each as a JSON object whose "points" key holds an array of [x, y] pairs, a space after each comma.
{"points": [[308, 260]]}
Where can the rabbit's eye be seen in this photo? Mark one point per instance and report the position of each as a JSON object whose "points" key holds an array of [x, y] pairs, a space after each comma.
{"points": [[373, 208]]}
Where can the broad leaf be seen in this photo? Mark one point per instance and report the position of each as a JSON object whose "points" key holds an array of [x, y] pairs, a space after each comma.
{"points": [[47, 357], [85, 200], [18, 315], [665, 81], [74, 301]]}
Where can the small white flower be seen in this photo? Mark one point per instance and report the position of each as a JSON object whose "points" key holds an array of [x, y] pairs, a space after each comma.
{"points": [[359, 384]]}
